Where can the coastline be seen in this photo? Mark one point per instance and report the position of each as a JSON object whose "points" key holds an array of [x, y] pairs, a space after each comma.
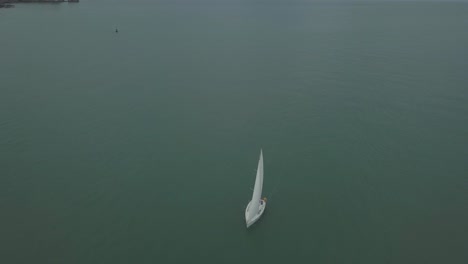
{"points": [[10, 3]]}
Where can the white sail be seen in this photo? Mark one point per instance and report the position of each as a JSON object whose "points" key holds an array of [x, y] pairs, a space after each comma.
{"points": [[257, 193]]}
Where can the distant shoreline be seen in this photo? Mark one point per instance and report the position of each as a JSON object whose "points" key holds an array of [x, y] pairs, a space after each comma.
{"points": [[9, 3]]}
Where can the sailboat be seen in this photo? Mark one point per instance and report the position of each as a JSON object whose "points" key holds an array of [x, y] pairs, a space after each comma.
{"points": [[256, 206]]}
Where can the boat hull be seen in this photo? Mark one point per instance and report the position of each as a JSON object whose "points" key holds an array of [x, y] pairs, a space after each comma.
{"points": [[257, 216]]}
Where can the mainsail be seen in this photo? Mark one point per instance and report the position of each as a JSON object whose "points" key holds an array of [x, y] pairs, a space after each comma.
{"points": [[255, 203]]}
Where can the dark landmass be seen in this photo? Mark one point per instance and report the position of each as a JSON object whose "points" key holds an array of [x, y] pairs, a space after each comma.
{"points": [[35, 1], [4, 5], [9, 3]]}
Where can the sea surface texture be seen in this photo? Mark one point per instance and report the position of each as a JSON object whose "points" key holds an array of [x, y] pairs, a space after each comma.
{"points": [[141, 146]]}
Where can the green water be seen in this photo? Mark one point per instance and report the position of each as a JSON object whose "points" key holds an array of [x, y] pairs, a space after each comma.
{"points": [[141, 146]]}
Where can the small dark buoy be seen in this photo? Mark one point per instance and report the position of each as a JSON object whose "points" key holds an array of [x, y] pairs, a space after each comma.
{"points": [[116, 31]]}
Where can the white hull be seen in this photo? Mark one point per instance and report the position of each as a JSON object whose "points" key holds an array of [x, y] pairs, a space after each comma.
{"points": [[254, 219]]}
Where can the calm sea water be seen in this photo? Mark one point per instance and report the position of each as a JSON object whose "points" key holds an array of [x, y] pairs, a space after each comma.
{"points": [[141, 146]]}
